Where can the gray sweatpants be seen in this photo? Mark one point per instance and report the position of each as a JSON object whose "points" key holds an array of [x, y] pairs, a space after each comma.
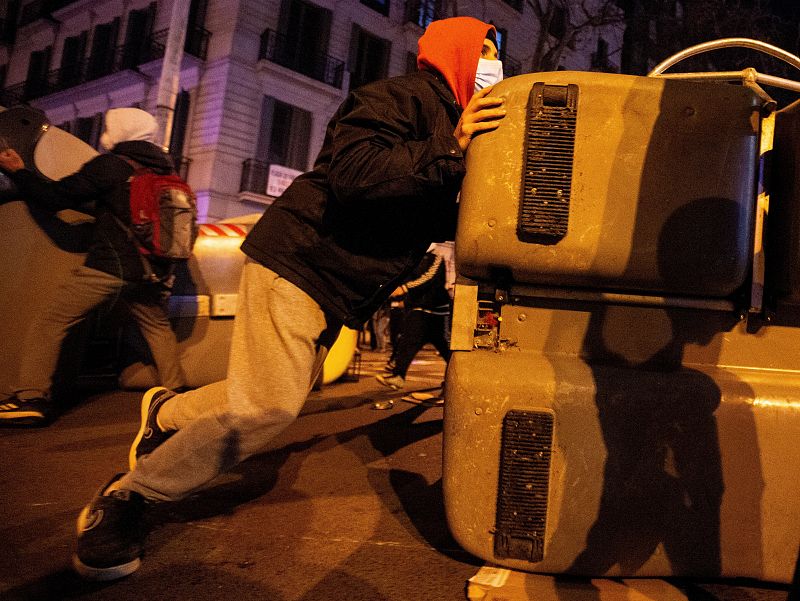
{"points": [[84, 290], [280, 339]]}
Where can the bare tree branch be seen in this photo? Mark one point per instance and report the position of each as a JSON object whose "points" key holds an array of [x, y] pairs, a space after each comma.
{"points": [[562, 23]]}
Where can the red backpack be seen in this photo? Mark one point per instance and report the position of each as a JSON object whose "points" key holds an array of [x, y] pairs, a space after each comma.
{"points": [[163, 214]]}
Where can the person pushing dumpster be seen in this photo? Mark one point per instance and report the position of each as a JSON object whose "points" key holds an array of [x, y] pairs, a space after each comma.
{"points": [[327, 253]]}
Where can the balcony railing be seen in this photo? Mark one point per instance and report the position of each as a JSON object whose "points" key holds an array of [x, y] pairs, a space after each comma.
{"points": [[284, 51], [40, 9], [196, 41], [254, 177], [123, 58]]}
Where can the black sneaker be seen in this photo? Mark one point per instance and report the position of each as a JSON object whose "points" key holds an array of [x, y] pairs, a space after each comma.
{"points": [[150, 435], [110, 534], [26, 412]]}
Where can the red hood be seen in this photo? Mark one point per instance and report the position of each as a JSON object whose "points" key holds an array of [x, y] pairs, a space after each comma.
{"points": [[452, 47]]}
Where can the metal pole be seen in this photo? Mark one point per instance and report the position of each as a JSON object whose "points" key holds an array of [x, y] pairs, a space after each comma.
{"points": [[169, 81]]}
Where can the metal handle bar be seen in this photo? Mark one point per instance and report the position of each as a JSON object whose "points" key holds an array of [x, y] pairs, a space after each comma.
{"points": [[747, 76], [778, 53]]}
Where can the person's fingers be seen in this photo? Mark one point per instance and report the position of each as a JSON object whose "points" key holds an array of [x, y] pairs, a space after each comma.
{"points": [[483, 92], [487, 101], [483, 126], [486, 116], [495, 113], [483, 113]]}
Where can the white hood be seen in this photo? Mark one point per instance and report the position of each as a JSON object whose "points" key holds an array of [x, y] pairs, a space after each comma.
{"points": [[127, 125]]}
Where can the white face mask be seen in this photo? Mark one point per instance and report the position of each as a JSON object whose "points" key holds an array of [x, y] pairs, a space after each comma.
{"points": [[489, 73]]}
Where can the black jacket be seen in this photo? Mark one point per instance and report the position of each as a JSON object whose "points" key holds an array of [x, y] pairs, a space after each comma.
{"points": [[102, 181], [427, 288], [384, 187]]}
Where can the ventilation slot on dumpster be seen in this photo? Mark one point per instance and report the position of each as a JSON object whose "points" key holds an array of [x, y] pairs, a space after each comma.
{"points": [[547, 167], [524, 483]]}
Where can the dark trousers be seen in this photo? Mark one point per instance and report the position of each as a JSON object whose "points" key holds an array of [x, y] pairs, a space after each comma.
{"points": [[419, 328], [396, 315]]}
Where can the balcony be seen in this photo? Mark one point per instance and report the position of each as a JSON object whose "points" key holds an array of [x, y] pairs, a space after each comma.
{"points": [[41, 9], [284, 51], [196, 43], [254, 177], [95, 67]]}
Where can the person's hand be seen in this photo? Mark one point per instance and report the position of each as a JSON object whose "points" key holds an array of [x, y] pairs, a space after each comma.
{"points": [[483, 113], [10, 161]]}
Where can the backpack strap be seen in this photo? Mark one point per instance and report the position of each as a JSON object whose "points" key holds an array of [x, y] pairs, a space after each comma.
{"points": [[149, 273]]}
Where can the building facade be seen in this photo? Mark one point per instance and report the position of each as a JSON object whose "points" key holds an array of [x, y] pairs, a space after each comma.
{"points": [[259, 79]]}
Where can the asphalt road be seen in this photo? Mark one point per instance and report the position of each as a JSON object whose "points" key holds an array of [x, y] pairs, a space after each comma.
{"points": [[346, 504]]}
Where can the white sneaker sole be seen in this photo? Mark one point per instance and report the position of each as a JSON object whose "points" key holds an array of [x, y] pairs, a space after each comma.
{"points": [[100, 574], [105, 574]]}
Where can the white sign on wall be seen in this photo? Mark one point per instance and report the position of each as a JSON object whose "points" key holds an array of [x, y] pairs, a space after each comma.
{"points": [[279, 179]]}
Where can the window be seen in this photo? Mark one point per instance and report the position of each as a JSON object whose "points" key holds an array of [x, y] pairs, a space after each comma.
{"points": [[382, 6], [180, 120], [137, 37], [197, 13], [284, 134], [282, 141], [8, 33], [422, 12], [38, 66], [88, 129], [305, 31], [301, 42], [72, 60], [369, 57], [104, 42], [196, 41]]}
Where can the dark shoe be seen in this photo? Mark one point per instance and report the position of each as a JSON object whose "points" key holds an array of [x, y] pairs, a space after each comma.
{"points": [[26, 412], [150, 435], [110, 534]]}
